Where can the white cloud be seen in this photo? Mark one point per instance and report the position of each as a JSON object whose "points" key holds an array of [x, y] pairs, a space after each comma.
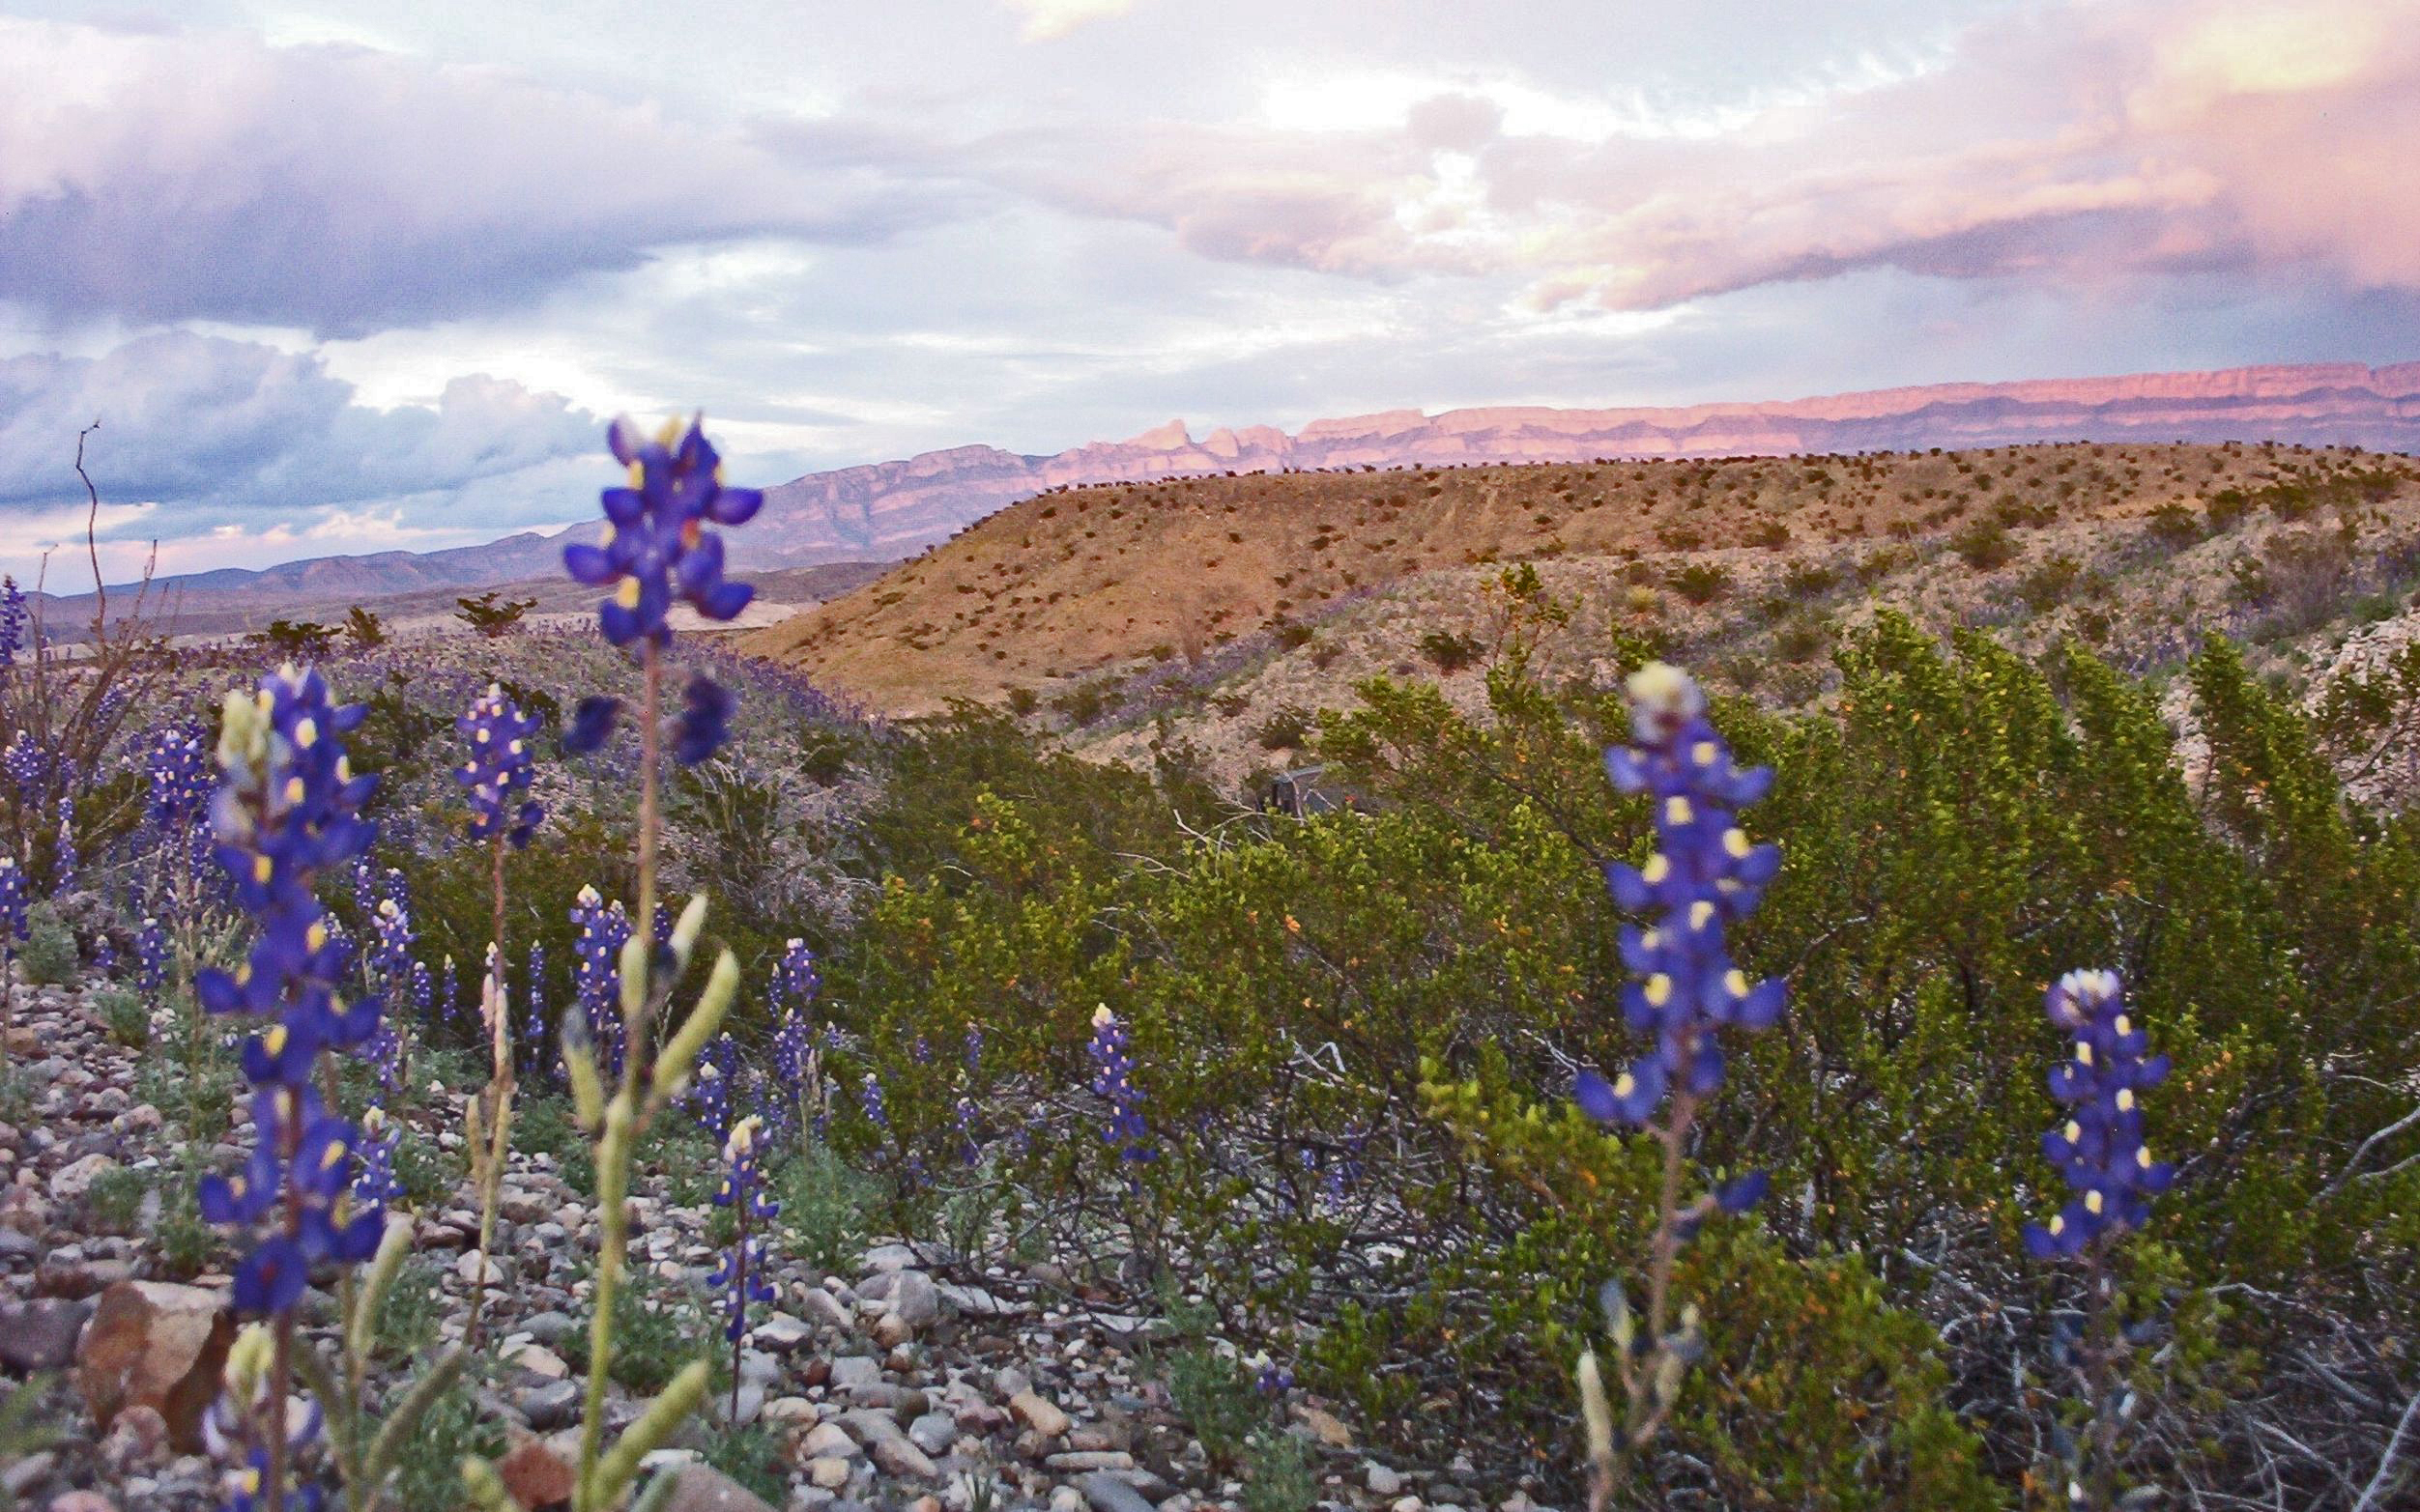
{"points": [[1044, 20]]}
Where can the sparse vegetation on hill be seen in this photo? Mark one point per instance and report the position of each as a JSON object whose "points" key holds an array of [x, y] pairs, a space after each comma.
{"points": [[1083, 582]]}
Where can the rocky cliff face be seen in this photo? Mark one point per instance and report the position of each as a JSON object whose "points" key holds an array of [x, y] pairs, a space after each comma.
{"points": [[893, 507]]}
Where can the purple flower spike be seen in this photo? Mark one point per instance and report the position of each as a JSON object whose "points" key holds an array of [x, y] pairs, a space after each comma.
{"points": [[501, 765], [656, 550], [2099, 1151], [1704, 876]]}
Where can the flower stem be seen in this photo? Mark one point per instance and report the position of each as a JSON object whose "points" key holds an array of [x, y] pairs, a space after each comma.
{"points": [[612, 1162], [2099, 1354]]}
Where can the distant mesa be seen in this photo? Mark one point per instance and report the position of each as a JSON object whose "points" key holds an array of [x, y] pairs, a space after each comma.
{"points": [[888, 511]]}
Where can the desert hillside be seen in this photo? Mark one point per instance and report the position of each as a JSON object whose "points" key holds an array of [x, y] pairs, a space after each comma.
{"points": [[1080, 581]]}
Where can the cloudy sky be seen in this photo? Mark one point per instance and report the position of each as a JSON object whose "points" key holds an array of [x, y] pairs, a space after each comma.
{"points": [[346, 274]]}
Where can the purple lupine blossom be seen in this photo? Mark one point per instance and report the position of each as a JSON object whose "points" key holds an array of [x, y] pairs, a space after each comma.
{"points": [[1703, 874], [288, 809], [870, 1099], [1113, 1082], [2099, 1150], [535, 996], [150, 956], [963, 1123], [377, 1181], [740, 1271], [178, 767], [796, 981], [501, 765], [13, 621], [14, 922], [64, 859], [657, 548], [973, 1047], [26, 765], [597, 972]]}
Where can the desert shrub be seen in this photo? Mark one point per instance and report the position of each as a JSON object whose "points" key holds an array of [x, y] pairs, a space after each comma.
{"points": [[2173, 525], [1799, 640], [1962, 828], [2048, 583], [1983, 545], [491, 614], [2225, 509], [1450, 651], [1771, 534], [125, 1016], [1023, 701], [48, 956], [1293, 634], [1086, 704], [827, 1209], [1699, 582], [1806, 580], [1280, 1474], [1287, 729], [299, 641], [753, 1456]]}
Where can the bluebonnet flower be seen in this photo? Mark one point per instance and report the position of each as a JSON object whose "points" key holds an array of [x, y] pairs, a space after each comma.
{"points": [[536, 994], [591, 726], [2099, 1150], [796, 981], [287, 808], [1703, 874], [377, 1181], [705, 722], [870, 1099], [14, 922], [13, 619], [963, 1123], [597, 972], [64, 859], [178, 767], [709, 1098], [500, 766], [150, 956], [1112, 1080], [975, 1048], [105, 957], [657, 548], [833, 1039], [299, 1171], [742, 1190], [1271, 1379], [26, 765], [920, 1051]]}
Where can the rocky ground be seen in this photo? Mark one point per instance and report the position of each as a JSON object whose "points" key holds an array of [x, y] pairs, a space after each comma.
{"points": [[905, 1382]]}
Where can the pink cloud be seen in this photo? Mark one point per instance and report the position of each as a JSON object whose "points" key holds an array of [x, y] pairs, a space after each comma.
{"points": [[2081, 142]]}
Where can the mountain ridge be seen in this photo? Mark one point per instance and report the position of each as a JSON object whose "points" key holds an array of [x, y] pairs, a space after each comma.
{"points": [[895, 508]]}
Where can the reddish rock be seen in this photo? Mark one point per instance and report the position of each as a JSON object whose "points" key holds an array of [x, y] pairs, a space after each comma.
{"points": [[156, 1346], [536, 1476]]}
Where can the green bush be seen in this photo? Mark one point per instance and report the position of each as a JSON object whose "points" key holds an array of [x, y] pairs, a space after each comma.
{"points": [[1960, 825], [125, 1016], [1983, 545], [47, 955], [1699, 582], [1450, 651]]}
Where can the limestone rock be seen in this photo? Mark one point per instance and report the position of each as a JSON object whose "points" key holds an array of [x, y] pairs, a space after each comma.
{"points": [[157, 1346]]}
